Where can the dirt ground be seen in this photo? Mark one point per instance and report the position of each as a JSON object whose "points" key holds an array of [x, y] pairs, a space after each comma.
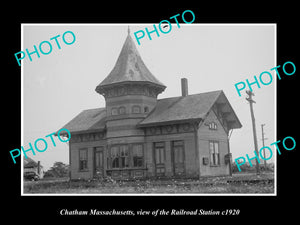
{"points": [[238, 183]]}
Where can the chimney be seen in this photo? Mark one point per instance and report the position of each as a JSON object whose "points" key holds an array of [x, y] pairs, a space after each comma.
{"points": [[184, 87]]}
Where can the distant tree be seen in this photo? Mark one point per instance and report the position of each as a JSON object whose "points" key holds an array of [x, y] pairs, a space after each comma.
{"points": [[246, 168], [59, 169]]}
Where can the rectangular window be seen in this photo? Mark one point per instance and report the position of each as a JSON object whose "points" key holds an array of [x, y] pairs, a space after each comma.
{"points": [[124, 156], [137, 155], [159, 149], [178, 151], [83, 157], [119, 155], [214, 153], [98, 157], [114, 154]]}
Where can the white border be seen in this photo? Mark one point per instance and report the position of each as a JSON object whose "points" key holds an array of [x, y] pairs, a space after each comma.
{"points": [[22, 113], [154, 194]]}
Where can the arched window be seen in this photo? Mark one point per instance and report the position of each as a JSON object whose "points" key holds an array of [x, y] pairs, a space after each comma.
{"points": [[146, 109], [114, 111], [136, 109], [122, 110], [213, 126]]}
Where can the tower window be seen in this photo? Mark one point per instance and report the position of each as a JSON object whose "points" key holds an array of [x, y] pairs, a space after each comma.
{"points": [[146, 109], [122, 110], [114, 111], [136, 109]]}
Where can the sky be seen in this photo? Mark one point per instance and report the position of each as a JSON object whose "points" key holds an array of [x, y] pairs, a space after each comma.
{"points": [[58, 86]]}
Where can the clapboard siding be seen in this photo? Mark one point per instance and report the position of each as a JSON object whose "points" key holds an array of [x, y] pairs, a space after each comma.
{"points": [[219, 135]]}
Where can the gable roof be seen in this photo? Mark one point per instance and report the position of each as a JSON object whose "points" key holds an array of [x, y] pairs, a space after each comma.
{"points": [[30, 163], [191, 107], [87, 120], [181, 108], [129, 68], [167, 111]]}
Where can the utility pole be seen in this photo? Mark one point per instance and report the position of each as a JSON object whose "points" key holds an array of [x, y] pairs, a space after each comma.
{"points": [[251, 101], [263, 142]]}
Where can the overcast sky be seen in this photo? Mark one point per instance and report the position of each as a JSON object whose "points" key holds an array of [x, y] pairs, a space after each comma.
{"points": [[58, 86]]}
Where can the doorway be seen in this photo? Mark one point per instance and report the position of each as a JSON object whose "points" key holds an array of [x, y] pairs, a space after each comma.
{"points": [[159, 158], [178, 158], [99, 162]]}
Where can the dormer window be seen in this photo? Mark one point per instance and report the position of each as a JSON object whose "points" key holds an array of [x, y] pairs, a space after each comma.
{"points": [[212, 126]]}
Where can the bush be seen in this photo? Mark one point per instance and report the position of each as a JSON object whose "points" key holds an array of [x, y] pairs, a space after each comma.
{"points": [[59, 169], [248, 169]]}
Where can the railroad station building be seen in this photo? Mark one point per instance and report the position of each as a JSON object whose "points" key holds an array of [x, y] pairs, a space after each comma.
{"points": [[138, 135]]}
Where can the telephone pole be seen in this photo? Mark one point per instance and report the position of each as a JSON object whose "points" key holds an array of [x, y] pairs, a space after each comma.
{"points": [[251, 101], [263, 142]]}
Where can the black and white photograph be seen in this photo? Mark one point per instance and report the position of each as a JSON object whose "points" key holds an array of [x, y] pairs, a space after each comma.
{"points": [[141, 116], [133, 115]]}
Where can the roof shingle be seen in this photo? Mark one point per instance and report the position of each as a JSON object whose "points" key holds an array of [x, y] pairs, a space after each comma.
{"points": [[181, 108], [90, 119], [129, 68], [167, 110]]}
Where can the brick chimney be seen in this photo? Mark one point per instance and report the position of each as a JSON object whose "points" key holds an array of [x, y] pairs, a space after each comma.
{"points": [[184, 87]]}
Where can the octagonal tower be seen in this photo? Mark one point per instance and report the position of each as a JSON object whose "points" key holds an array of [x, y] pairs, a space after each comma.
{"points": [[130, 91]]}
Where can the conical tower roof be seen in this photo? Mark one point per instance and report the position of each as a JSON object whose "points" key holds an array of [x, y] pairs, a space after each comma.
{"points": [[129, 68]]}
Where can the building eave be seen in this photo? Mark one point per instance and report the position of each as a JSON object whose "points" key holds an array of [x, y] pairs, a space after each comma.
{"points": [[172, 122], [101, 88], [63, 133]]}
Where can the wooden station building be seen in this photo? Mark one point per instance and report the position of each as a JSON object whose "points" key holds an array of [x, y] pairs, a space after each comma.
{"points": [[138, 135]]}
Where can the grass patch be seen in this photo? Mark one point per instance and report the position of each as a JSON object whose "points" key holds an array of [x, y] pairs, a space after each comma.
{"points": [[239, 183]]}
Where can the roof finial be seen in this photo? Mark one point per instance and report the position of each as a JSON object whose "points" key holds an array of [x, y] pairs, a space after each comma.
{"points": [[128, 30]]}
